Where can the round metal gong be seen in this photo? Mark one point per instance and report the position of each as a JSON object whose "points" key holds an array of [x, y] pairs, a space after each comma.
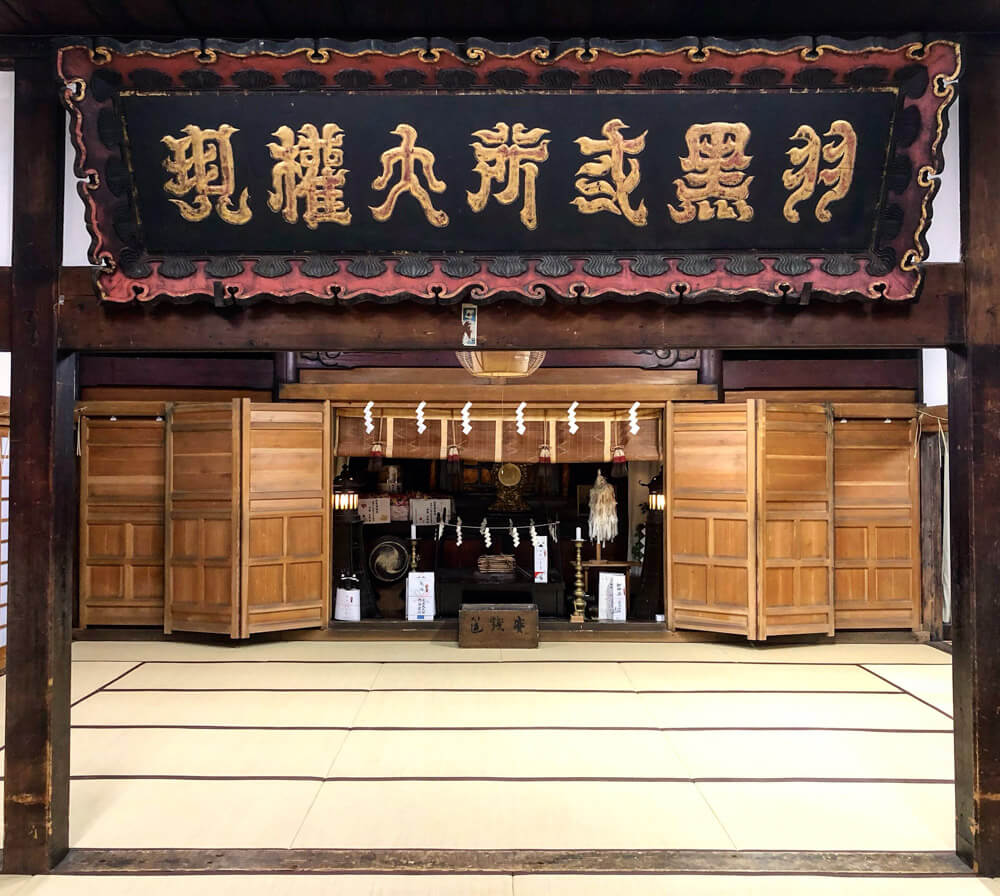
{"points": [[509, 475], [389, 560]]}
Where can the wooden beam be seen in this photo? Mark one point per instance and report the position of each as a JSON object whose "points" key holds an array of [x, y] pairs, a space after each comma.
{"points": [[511, 393], [511, 861], [202, 373], [853, 396], [457, 376], [823, 373], [36, 785], [936, 320]]}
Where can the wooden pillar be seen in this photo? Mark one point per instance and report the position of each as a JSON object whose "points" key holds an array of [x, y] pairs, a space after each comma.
{"points": [[931, 497], [285, 371], [974, 430], [710, 370], [36, 786]]}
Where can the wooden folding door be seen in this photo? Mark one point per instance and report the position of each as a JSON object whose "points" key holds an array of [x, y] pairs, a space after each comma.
{"points": [[121, 519], [248, 517], [877, 508], [285, 516], [711, 542], [203, 518], [795, 519]]}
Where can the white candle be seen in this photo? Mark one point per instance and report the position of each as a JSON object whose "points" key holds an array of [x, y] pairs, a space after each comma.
{"points": [[413, 531], [579, 536]]}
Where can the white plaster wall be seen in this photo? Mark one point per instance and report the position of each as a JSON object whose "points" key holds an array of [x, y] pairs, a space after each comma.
{"points": [[945, 241], [6, 163]]}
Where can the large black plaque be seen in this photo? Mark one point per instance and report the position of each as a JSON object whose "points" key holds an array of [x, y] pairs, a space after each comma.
{"points": [[444, 125]]}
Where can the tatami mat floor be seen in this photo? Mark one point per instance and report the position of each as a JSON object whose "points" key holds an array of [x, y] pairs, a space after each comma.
{"points": [[574, 746]]}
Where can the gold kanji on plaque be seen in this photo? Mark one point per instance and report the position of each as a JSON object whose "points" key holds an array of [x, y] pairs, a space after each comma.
{"points": [[310, 168], [202, 163], [802, 177], [504, 157], [715, 183], [604, 184], [407, 156]]}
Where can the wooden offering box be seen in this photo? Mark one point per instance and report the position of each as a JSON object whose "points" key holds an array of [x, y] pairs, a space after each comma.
{"points": [[498, 625]]}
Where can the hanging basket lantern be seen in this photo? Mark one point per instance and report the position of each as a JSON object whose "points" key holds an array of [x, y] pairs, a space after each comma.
{"points": [[501, 365]]}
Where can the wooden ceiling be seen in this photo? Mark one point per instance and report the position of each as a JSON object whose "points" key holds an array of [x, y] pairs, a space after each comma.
{"points": [[508, 19]]}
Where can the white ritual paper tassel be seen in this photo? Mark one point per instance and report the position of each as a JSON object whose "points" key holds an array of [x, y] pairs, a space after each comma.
{"points": [[458, 532], [466, 422], [633, 418], [484, 530], [421, 426], [571, 414], [369, 426], [519, 417], [513, 534], [532, 533]]}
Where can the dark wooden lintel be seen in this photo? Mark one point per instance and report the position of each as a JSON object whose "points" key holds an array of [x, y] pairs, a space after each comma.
{"points": [[508, 861], [937, 319]]}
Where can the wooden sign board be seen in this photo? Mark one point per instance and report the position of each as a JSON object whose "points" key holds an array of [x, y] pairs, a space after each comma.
{"points": [[498, 625], [452, 173]]}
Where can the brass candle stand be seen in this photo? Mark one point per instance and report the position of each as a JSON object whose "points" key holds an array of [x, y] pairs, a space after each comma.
{"points": [[579, 595]]}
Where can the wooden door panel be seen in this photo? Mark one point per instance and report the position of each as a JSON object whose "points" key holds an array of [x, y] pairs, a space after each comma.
{"points": [[286, 516], [710, 517], [122, 474], [795, 514], [203, 506], [876, 499]]}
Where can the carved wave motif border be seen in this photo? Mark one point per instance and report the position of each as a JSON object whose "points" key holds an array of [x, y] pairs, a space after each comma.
{"points": [[95, 71]]}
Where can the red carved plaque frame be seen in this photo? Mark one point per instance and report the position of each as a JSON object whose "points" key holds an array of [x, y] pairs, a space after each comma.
{"points": [[94, 72]]}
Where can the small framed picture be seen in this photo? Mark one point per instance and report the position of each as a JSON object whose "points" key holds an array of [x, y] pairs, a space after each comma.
{"points": [[470, 326]]}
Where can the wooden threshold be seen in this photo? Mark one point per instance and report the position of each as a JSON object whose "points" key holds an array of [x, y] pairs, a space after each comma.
{"points": [[511, 861], [549, 630]]}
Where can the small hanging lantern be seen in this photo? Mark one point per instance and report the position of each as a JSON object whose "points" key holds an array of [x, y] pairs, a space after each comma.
{"points": [[656, 497], [345, 492]]}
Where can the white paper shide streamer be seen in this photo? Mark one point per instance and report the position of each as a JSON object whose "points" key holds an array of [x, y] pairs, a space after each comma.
{"points": [[421, 426], [484, 530], [571, 416], [519, 417], [458, 532], [369, 426], [513, 534], [633, 418], [466, 421]]}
